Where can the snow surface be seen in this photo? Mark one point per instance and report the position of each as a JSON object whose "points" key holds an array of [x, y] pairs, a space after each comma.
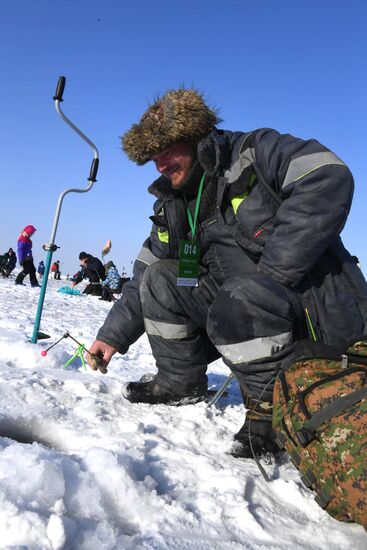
{"points": [[108, 474]]}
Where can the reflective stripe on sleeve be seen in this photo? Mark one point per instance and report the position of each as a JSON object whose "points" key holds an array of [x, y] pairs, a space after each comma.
{"points": [[245, 159], [146, 256], [169, 331], [250, 350], [301, 166]]}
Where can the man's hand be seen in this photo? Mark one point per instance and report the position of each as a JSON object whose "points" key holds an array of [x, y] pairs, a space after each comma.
{"points": [[100, 355]]}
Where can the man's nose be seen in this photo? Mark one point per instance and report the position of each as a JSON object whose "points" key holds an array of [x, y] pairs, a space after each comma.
{"points": [[160, 164]]}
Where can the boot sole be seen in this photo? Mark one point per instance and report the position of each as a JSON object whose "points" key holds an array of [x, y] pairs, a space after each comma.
{"points": [[189, 400]]}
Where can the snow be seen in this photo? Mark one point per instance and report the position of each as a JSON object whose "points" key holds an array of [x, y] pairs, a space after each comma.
{"points": [[81, 467]]}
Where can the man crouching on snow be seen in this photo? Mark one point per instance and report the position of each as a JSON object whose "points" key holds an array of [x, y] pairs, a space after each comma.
{"points": [[244, 258]]}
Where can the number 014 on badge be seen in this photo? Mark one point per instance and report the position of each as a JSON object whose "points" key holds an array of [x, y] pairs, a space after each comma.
{"points": [[188, 263]]}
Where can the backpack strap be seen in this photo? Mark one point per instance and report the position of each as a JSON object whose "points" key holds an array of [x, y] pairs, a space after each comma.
{"points": [[357, 358], [302, 395], [307, 433]]}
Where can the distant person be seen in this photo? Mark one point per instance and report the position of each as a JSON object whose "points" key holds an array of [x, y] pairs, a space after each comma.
{"points": [[124, 279], [112, 283], [41, 269], [3, 265], [8, 262], [75, 276], [58, 272], [93, 270], [55, 268], [25, 257]]}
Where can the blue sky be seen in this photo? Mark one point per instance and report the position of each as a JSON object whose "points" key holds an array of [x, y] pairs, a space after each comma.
{"points": [[296, 66]]}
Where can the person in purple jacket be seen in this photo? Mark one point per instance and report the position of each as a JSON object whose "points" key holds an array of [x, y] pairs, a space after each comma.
{"points": [[25, 257]]}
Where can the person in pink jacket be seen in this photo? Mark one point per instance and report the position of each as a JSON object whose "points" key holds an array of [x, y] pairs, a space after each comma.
{"points": [[25, 257]]}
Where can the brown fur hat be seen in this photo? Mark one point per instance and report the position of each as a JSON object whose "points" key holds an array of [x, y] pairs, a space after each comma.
{"points": [[179, 115]]}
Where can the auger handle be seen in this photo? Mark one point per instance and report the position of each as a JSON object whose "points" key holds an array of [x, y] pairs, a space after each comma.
{"points": [[60, 89], [93, 170]]}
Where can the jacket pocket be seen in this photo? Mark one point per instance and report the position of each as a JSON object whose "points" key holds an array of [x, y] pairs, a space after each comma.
{"points": [[261, 233]]}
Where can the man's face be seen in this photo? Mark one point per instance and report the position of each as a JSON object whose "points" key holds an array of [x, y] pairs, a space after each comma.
{"points": [[83, 262], [175, 162]]}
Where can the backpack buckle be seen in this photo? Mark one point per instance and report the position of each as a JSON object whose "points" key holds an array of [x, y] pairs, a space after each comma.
{"points": [[304, 436], [345, 361]]}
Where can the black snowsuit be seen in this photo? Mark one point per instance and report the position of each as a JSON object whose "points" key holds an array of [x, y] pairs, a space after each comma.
{"points": [[7, 263], [95, 273], [273, 268]]}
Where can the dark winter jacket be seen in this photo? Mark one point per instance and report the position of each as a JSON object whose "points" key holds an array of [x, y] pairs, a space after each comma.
{"points": [[94, 271], [24, 249], [278, 200], [113, 279]]}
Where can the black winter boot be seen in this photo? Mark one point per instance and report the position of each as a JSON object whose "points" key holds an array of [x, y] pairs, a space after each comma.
{"points": [[152, 392], [19, 280], [257, 432]]}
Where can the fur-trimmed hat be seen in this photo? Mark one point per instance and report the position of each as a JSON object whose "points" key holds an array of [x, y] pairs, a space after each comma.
{"points": [[179, 115]]}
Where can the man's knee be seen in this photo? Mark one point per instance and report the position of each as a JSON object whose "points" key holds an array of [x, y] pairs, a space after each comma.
{"points": [[160, 270], [157, 280], [255, 288], [249, 307]]}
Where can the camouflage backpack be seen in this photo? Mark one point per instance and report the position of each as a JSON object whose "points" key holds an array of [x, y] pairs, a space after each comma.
{"points": [[320, 418]]}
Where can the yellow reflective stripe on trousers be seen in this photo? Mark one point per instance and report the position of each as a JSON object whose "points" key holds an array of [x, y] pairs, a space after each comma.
{"points": [[169, 331], [163, 236], [250, 350], [302, 166]]}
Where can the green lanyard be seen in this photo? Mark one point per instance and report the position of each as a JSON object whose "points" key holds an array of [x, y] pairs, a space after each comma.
{"points": [[192, 222]]}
